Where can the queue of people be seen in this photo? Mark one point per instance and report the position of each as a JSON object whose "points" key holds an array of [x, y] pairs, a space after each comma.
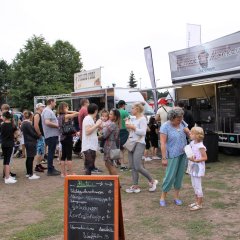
{"points": [[113, 130]]}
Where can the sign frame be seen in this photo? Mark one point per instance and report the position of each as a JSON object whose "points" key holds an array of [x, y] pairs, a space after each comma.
{"points": [[116, 195]]}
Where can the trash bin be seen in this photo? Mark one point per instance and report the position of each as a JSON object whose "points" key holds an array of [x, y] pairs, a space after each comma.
{"points": [[211, 143]]}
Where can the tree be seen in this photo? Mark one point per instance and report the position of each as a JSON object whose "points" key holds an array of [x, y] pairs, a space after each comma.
{"points": [[159, 94], [132, 82], [42, 69], [68, 60], [4, 80]]}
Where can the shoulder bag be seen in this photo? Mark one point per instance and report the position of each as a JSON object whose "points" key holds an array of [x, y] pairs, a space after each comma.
{"points": [[114, 154], [131, 144], [67, 127]]}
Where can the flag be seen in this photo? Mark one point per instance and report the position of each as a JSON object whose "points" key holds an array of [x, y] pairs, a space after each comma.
{"points": [[149, 63], [193, 35]]}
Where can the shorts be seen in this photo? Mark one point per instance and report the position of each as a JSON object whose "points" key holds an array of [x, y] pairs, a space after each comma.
{"points": [[147, 141], [154, 142], [40, 146], [123, 135], [89, 159], [7, 153]]}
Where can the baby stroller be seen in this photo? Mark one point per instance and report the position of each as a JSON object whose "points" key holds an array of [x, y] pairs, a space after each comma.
{"points": [[77, 146], [17, 150]]}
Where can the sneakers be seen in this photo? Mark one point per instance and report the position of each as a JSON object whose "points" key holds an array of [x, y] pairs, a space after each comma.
{"points": [[153, 186], [44, 161], [123, 168], [96, 170], [133, 189], [13, 175], [148, 159], [33, 177], [9, 180], [54, 172]]}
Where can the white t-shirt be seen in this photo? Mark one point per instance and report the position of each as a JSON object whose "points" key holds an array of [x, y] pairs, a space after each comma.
{"points": [[89, 141], [162, 112]]}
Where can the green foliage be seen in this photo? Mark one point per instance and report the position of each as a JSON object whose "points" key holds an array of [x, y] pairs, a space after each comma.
{"points": [[159, 94], [132, 81], [41, 69], [4, 80]]}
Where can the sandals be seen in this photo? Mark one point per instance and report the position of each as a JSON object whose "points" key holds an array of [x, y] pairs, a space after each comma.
{"points": [[178, 202], [192, 204], [196, 207], [162, 203]]}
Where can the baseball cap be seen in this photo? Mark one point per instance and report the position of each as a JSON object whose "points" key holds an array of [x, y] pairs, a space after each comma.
{"points": [[121, 102], [162, 101], [39, 105]]}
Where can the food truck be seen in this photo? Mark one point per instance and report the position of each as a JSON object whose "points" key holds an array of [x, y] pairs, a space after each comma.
{"points": [[207, 79], [87, 84]]}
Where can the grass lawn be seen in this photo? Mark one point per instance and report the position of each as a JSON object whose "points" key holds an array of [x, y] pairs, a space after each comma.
{"points": [[32, 210]]}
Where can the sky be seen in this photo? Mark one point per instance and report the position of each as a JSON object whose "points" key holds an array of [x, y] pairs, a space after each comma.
{"points": [[112, 34]]}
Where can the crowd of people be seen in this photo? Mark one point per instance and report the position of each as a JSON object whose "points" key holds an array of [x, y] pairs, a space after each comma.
{"points": [[114, 132]]}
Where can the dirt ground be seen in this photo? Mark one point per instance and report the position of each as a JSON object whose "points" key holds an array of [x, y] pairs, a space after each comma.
{"points": [[34, 209]]}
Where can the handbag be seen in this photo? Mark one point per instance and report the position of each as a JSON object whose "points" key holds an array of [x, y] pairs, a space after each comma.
{"points": [[67, 128], [130, 145], [114, 154]]}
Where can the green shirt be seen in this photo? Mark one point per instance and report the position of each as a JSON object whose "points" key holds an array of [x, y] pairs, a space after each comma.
{"points": [[124, 114]]}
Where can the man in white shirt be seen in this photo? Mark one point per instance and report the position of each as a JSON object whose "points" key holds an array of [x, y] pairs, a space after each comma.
{"points": [[163, 111], [89, 137]]}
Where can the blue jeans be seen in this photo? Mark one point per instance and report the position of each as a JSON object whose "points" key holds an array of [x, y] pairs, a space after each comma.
{"points": [[51, 142]]}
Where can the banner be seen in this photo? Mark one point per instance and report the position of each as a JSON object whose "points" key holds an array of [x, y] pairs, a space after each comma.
{"points": [[193, 35], [87, 79], [149, 63], [218, 57]]}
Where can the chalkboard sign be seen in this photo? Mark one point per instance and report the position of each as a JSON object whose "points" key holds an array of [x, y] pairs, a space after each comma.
{"points": [[91, 207]]}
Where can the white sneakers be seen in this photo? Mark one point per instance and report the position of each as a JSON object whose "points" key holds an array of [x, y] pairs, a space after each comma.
{"points": [[33, 177], [133, 189], [153, 186], [148, 159], [10, 180]]}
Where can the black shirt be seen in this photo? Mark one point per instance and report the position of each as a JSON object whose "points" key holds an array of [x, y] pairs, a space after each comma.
{"points": [[7, 134], [39, 123]]}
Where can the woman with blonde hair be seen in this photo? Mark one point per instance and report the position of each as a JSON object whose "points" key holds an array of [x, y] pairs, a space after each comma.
{"points": [[66, 140], [137, 127]]}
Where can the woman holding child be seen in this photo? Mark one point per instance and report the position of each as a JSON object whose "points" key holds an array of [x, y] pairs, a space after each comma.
{"points": [[110, 134]]}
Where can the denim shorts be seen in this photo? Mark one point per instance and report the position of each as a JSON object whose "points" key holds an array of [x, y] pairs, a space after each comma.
{"points": [[40, 146]]}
